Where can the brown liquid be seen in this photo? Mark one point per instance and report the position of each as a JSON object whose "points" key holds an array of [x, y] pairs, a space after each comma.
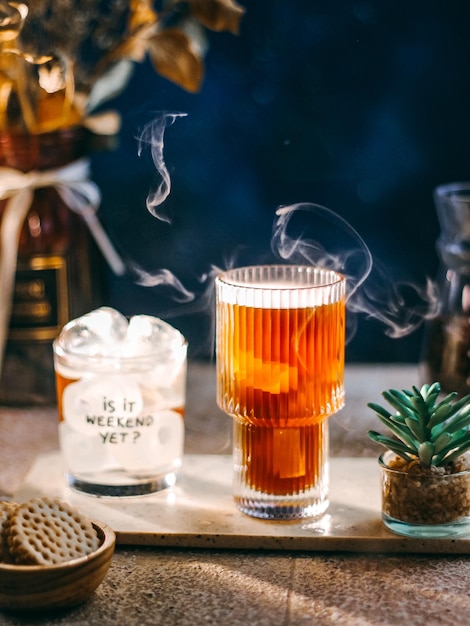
{"points": [[280, 374], [61, 383]]}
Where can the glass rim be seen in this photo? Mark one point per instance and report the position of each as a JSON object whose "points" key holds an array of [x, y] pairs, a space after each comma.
{"points": [[391, 470], [223, 277], [62, 349], [117, 362], [454, 189]]}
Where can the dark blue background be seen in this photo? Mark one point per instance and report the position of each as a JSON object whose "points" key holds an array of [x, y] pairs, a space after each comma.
{"points": [[361, 106]]}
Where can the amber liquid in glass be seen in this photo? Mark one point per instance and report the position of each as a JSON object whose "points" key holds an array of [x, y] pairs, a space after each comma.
{"points": [[61, 383], [281, 375]]}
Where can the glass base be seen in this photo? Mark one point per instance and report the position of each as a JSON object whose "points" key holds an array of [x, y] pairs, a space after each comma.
{"points": [[459, 528], [117, 486], [264, 506], [281, 473]]}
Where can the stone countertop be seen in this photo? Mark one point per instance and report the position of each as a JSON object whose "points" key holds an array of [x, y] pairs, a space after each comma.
{"points": [[153, 586]]}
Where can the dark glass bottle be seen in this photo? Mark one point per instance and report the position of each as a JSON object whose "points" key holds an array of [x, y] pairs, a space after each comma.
{"points": [[446, 348], [57, 276]]}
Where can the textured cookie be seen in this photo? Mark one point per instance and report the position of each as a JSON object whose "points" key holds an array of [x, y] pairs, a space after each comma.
{"points": [[44, 531], [6, 511]]}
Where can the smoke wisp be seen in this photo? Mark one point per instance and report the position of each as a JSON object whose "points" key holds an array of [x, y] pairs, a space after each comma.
{"points": [[371, 289], [153, 136], [325, 239]]}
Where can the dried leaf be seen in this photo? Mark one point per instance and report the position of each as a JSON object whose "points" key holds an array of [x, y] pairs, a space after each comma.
{"points": [[218, 14], [141, 15], [174, 58], [106, 123], [37, 94], [6, 88], [133, 48], [55, 111]]}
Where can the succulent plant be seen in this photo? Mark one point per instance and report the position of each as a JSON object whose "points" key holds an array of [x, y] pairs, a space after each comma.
{"points": [[426, 429]]}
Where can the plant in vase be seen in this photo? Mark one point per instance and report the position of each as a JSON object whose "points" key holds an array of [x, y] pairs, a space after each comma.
{"points": [[60, 62], [53, 76], [426, 471]]}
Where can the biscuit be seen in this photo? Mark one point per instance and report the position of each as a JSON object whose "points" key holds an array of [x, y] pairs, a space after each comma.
{"points": [[7, 508], [45, 531]]}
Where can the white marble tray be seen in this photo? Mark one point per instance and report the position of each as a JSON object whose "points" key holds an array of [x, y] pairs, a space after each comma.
{"points": [[199, 512]]}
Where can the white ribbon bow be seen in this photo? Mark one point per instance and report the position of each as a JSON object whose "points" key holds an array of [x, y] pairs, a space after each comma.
{"points": [[79, 193]]}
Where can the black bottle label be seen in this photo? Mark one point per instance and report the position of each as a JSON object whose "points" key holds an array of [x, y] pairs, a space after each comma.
{"points": [[40, 302]]}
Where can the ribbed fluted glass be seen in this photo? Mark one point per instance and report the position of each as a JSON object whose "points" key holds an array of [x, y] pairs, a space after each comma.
{"points": [[280, 374]]}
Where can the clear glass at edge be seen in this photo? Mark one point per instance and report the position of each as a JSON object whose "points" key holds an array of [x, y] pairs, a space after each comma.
{"points": [[280, 374]]}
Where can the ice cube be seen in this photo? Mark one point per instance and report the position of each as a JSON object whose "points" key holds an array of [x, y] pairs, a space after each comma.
{"points": [[157, 445], [107, 323], [83, 453], [106, 332], [164, 386], [99, 332], [150, 335]]}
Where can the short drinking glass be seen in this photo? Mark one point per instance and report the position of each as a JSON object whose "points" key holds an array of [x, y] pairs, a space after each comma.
{"points": [[280, 374], [121, 395]]}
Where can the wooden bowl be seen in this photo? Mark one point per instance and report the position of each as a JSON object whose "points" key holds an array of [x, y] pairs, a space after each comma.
{"points": [[33, 587]]}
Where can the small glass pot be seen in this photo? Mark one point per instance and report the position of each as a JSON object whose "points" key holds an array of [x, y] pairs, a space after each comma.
{"points": [[425, 505]]}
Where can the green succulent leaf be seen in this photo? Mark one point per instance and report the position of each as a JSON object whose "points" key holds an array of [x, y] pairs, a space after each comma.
{"points": [[431, 392], [457, 440], [391, 444], [456, 423], [442, 442], [441, 410], [461, 420], [380, 410], [416, 427], [445, 410], [392, 422], [454, 455], [455, 420], [421, 408], [426, 452], [402, 432], [425, 428], [399, 401]]}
